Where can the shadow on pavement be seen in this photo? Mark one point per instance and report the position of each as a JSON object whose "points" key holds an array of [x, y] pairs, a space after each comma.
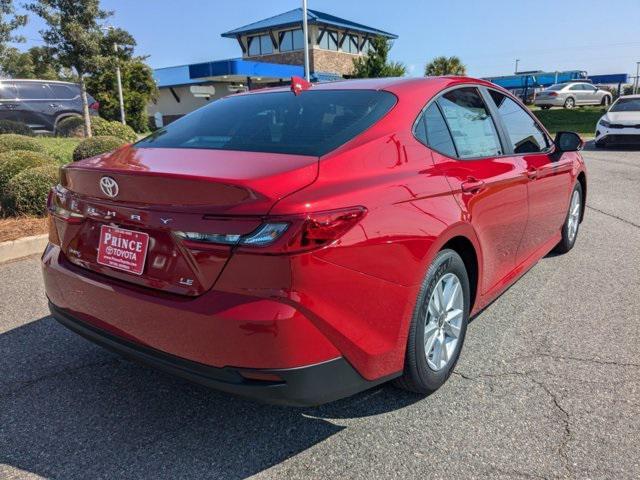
{"points": [[590, 146], [69, 409]]}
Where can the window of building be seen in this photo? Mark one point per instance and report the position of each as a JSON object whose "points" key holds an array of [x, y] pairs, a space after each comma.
{"points": [[470, 123], [291, 40], [366, 46], [260, 45], [328, 40], [524, 133], [350, 44]]}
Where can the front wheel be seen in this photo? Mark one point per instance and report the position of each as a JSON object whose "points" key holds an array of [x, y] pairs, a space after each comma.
{"points": [[569, 103], [572, 222], [438, 325]]}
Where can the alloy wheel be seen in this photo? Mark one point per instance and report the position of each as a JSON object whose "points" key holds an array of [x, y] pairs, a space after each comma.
{"points": [[444, 321], [574, 216]]}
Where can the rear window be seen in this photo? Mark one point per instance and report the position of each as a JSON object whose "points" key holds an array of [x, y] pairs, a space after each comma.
{"points": [[312, 123], [63, 92]]}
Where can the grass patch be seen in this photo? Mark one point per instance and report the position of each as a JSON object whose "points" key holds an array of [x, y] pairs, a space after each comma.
{"points": [[581, 120], [60, 149]]}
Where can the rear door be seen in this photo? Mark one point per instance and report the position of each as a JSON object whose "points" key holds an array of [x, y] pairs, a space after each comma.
{"points": [[35, 105], [490, 187], [549, 178], [65, 99]]}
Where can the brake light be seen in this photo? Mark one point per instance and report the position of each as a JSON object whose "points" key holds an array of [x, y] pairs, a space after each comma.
{"points": [[287, 234], [95, 106], [61, 205], [553, 94]]}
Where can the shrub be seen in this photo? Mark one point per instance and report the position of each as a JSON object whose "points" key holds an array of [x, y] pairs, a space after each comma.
{"points": [[101, 127], [11, 141], [27, 191], [95, 146], [70, 127], [16, 161], [9, 126]]}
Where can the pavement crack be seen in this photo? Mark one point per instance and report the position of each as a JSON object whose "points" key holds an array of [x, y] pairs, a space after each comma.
{"points": [[581, 359], [624, 220]]}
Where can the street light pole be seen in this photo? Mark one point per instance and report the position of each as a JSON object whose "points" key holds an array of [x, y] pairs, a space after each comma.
{"points": [[635, 88], [517, 61], [119, 79], [305, 34]]}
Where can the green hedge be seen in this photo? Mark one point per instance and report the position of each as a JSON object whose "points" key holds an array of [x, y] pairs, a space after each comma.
{"points": [[11, 141], [70, 127], [27, 191], [95, 146], [101, 128], [16, 161], [9, 126]]}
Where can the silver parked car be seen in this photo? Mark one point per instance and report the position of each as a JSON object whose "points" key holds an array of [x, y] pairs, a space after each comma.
{"points": [[571, 94]]}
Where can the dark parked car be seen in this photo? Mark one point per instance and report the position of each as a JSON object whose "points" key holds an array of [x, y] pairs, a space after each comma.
{"points": [[41, 104]]}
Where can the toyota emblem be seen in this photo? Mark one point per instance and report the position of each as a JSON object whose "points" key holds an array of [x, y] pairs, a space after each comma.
{"points": [[109, 186]]}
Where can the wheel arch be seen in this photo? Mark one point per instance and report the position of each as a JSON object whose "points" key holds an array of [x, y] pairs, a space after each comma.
{"points": [[465, 248], [582, 178]]}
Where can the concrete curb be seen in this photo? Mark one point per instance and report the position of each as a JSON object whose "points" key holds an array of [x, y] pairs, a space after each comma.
{"points": [[22, 247]]}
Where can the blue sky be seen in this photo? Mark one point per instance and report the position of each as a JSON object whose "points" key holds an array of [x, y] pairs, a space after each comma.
{"points": [[597, 36]]}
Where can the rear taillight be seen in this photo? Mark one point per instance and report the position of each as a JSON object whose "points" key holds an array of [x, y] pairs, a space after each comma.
{"points": [[61, 205], [94, 106], [553, 94], [288, 234]]}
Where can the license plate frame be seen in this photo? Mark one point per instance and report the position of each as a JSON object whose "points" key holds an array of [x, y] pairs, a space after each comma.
{"points": [[123, 249]]}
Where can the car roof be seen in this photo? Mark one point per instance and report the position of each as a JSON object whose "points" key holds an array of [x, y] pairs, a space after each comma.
{"points": [[398, 85], [36, 80]]}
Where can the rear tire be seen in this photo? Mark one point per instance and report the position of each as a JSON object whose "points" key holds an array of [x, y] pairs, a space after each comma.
{"points": [[572, 222], [433, 348], [569, 103]]}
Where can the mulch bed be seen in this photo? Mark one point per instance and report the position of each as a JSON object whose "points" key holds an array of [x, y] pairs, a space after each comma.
{"points": [[14, 228]]}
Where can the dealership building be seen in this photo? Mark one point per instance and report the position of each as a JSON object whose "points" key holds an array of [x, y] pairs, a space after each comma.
{"points": [[272, 53]]}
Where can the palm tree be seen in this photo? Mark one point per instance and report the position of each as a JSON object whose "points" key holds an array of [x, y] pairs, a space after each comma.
{"points": [[445, 66]]}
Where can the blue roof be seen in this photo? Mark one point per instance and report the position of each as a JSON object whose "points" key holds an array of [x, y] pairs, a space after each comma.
{"points": [[199, 72], [294, 17]]}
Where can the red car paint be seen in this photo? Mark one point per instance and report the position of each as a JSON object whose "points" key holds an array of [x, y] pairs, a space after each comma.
{"points": [[277, 308]]}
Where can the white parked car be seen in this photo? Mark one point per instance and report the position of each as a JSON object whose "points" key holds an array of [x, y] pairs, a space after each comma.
{"points": [[621, 124]]}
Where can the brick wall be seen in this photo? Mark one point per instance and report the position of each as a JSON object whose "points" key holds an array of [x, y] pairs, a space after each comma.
{"points": [[319, 60]]}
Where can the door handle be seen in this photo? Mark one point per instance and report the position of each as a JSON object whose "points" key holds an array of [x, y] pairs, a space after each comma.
{"points": [[532, 173], [472, 185]]}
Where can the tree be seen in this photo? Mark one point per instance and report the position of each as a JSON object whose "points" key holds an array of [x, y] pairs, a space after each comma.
{"points": [[37, 62], [375, 63], [74, 36], [445, 66], [9, 22], [138, 85]]}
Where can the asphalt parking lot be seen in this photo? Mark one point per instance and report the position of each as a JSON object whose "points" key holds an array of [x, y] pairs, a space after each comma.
{"points": [[548, 386]]}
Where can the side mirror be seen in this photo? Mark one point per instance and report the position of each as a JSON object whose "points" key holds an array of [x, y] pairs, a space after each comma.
{"points": [[568, 142]]}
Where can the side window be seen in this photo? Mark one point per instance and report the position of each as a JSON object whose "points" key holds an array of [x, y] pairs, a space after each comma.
{"points": [[8, 91], [589, 88], [474, 133], [432, 130], [62, 92], [576, 87], [33, 91], [523, 131]]}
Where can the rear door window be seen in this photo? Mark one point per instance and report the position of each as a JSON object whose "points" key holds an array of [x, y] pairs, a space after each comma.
{"points": [[523, 132], [312, 123], [62, 92], [34, 91], [432, 130], [470, 123]]}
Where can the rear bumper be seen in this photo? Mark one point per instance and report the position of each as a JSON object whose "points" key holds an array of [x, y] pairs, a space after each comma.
{"points": [[303, 386]]}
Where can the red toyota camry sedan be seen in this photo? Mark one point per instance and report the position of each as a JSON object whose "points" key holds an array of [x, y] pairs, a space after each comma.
{"points": [[300, 245]]}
